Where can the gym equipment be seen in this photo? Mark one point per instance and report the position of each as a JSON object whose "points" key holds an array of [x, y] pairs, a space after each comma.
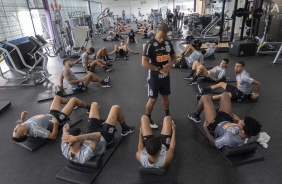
{"points": [[278, 55], [32, 143], [104, 20], [264, 46], [238, 155], [49, 95], [242, 48], [4, 105], [245, 12], [151, 171], [86, 173], [31, 74], [219, 19]]}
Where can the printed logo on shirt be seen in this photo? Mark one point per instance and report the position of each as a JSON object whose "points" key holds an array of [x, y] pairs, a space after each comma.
{"points": [[163, 58], [39, 116], [213, 70], [167, 48], [155, 44], [166, 42], [229, 125]]}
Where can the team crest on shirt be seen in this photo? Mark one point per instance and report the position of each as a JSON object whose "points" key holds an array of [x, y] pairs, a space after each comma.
{"points": [[167, 48], [155, 44], [166, 42]]}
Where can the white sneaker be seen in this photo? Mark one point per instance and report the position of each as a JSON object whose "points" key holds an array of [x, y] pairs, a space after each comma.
{"points": [[153, 125]]}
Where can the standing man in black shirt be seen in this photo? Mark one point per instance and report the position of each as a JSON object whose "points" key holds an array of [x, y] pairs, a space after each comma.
{"points": [[156, 56]]}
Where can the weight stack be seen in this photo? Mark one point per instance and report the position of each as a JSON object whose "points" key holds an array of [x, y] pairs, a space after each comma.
{"points": [[242, 48]]}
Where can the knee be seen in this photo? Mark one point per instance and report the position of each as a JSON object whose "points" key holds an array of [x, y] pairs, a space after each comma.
{"points": [[225, 94], [205, 98], [144, 119], [152, 100], [73, 100], [94, 104], [116, 108], [167, 119]]}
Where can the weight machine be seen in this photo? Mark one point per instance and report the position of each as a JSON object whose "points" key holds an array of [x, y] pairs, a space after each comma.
{"points": [[30, 75]]}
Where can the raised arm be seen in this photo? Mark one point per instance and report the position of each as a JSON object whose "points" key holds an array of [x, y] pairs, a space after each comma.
{"points": [[62, 80], [92, 138], [77, 61], [140, 146], [54, 133], [131, 50]]}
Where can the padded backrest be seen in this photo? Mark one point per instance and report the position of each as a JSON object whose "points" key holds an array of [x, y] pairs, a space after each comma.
{"points": [[228, 151], [95, 162]]}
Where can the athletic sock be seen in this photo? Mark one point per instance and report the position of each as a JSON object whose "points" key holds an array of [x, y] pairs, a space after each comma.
{"points": [[88, 107], [166, 112], [195, 78], [123, 125], [149, 116], [116, 54], [192, 73], [198, 113]]}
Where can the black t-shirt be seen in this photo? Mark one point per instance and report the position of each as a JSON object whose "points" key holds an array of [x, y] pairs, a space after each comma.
{"points": [[159, 53], [131, 35]]}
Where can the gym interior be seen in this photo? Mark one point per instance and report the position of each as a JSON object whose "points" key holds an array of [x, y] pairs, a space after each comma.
{"points": [[37, 35]]}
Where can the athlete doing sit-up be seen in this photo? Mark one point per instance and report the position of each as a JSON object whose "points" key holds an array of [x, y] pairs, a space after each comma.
{"points": [[47, 125], [82, 147], [223, 127]]}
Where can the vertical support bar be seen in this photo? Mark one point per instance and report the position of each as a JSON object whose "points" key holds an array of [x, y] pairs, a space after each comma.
{"points": [[49, 19], [195, 5], [244, 19], [233, 21], [27, 2], [222, 21], [277, 55], [257, 21]]}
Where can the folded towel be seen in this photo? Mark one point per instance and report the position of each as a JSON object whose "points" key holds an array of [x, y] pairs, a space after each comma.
{"points": [[263, 139]]}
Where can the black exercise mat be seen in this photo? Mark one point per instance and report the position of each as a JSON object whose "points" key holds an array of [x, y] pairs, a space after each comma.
{"points": [[83, 174], [236, 160], [32, 143], [4, 105], [49, 95]]}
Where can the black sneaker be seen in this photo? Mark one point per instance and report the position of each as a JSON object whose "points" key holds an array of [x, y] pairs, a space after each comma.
{"points": [[75, 107], [201, 90], [127, 130], [110, 65], [188, 77], [106, 84], [125, 57], [116, 59], [108, 69], [194, 117], [192, 83], [198, 97]]}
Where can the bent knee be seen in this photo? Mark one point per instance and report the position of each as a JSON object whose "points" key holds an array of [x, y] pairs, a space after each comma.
{"points": [[116, 108], [94, 104]]}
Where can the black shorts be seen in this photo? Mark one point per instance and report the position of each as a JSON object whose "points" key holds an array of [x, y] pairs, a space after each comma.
{"points": [[121, 52], [236, 94], [107, 131], [60, 116], [165, 139], [80, 87], [220, 117], [157, 85]]}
